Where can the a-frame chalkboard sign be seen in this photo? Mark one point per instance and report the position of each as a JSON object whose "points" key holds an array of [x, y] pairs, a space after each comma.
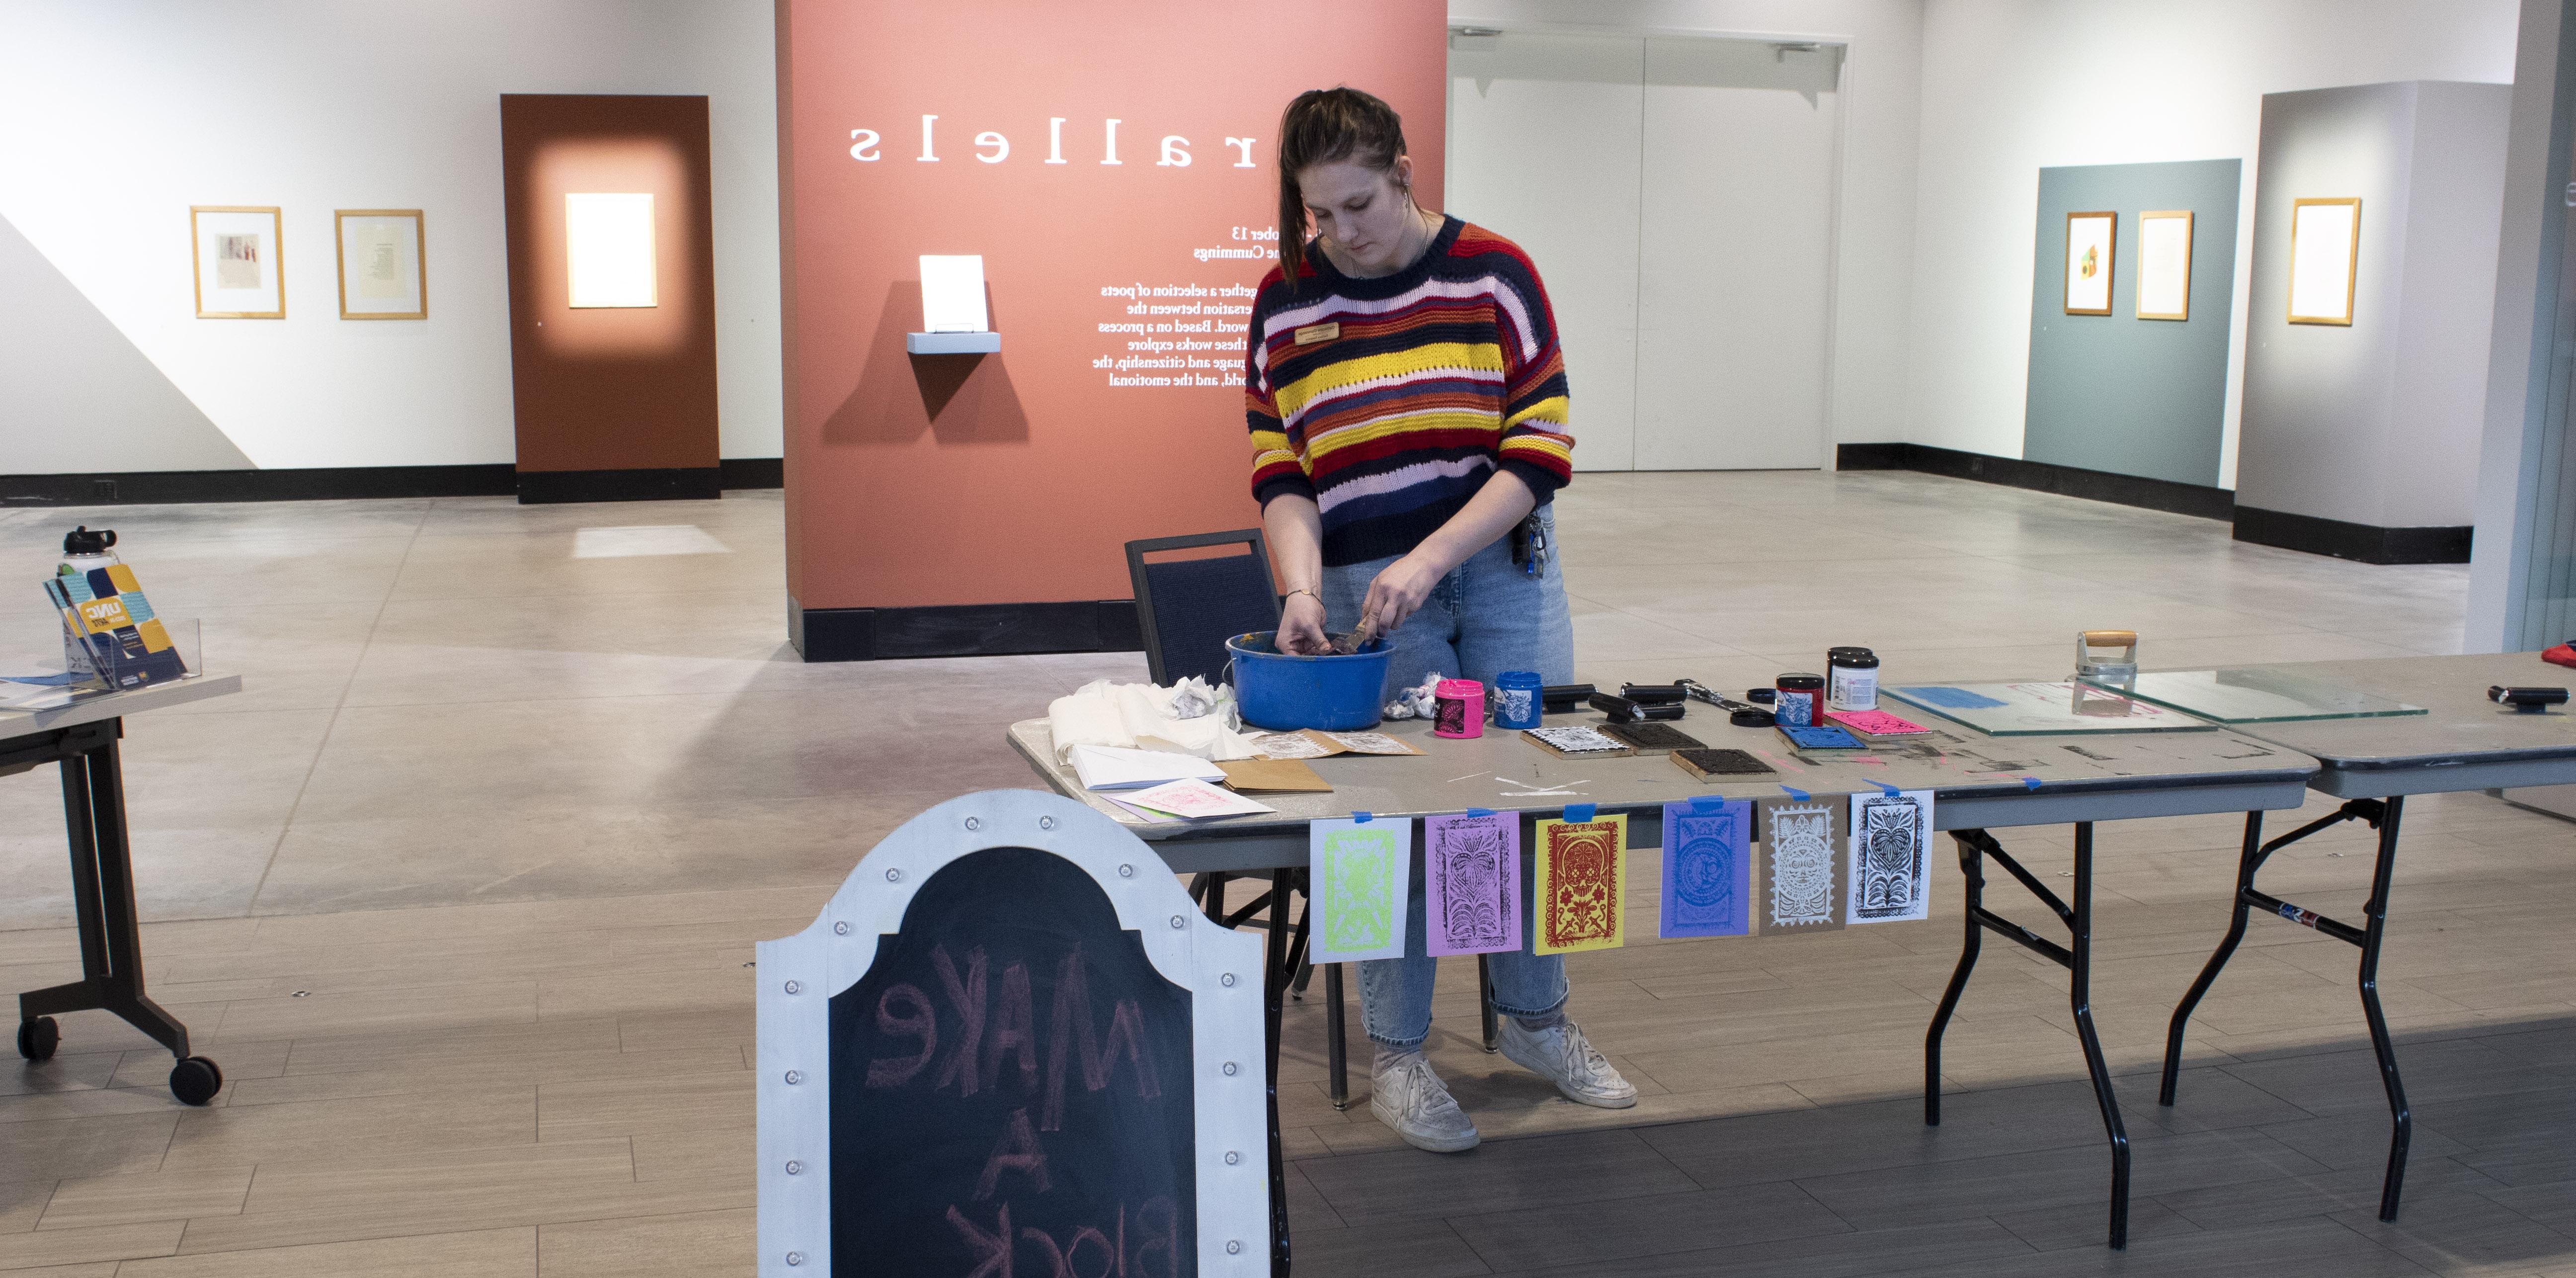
{"points": [[1012, 1047]]}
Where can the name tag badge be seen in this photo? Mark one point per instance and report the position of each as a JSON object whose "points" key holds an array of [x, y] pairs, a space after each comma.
{"points": [[1323, 332]]}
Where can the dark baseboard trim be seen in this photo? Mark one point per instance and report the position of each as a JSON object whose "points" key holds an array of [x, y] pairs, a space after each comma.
{"points": [[754, 472], [326, 483], [2365, 543], [317, 483], [970, 630], [677, 483], [2046, 477]]}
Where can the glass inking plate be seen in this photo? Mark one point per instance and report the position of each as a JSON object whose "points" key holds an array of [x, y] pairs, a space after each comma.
{"points": [[2254, 696], [2042, 709]]}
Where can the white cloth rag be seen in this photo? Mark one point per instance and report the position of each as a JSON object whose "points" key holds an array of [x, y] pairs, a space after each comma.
{"points": [[1118, 714]]}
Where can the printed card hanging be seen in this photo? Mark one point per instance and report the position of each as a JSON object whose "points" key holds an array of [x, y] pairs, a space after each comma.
{"points": [[1708, 868], [1891, 863], [1799, 886], [1356, 870], [1471, 883], [1582, 885]]}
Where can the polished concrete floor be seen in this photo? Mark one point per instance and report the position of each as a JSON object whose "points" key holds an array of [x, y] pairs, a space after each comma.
{"points": [[462, 890]]}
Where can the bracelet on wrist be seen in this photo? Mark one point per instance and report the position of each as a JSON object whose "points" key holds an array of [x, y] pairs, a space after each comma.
{"points": [[1308, 591]]}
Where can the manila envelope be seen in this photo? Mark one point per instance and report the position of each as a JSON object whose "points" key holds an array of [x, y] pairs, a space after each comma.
{"points": [[1273, 776]]}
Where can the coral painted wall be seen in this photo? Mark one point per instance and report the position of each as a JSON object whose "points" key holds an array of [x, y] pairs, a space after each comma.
{"points": [[1112, 162]]}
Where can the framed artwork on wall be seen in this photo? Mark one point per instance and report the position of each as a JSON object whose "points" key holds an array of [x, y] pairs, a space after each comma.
{"points": [[2089, 241], [2325, 254], [240, 272], [382, 276], [2164, 265]]}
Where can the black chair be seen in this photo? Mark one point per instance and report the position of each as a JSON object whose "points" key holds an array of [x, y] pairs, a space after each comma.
{"points": [[1187, 609]]}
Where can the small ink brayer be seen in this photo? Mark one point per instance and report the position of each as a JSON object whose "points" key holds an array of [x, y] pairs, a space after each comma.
{"points": [[1653, 694], [2527, 700], [1623, 710], [1561, 697]]}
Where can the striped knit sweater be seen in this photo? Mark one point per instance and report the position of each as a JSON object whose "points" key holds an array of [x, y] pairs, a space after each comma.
{"points": [[1390, 401]]}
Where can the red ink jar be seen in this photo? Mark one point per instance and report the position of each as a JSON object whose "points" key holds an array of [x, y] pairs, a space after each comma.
{"points": [[1800, 702]]}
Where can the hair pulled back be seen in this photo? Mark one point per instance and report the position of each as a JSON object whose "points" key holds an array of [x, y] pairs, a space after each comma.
{"points": [[1328, 126]]}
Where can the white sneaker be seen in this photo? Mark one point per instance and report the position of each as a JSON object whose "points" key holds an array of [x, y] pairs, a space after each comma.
{"points": [[1408, 1097], [1561, 1055]]}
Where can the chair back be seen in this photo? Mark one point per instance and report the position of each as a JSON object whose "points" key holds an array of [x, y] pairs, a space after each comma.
{"points": [[1188, 608]]}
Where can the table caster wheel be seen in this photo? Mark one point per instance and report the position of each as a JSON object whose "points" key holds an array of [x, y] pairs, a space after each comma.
{"points": [[195, 1080], [38, 1038]]}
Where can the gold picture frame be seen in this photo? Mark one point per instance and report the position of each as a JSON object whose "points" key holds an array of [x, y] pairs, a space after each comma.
{"points": [[2092, 247], [391, 285], [2164, 265], [236, 253], [2334, 247]]}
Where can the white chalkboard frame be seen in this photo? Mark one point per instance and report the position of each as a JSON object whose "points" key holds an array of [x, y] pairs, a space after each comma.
{"points": [[1222, 969]]}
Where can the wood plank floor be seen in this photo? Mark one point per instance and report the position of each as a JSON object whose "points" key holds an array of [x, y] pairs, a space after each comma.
{"points": [[487, 1010], [562, 1088]]}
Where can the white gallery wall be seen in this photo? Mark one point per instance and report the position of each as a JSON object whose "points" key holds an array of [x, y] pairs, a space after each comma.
{"points": [[123, 113], [1874, 234], [2013, 86]]}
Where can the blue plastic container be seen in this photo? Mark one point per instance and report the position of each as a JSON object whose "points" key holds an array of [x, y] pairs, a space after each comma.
{"points": [[1283, 692], [1516, 699]]}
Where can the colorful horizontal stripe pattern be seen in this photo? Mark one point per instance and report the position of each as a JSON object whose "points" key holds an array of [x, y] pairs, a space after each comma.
{"points": [[1438, 376]]}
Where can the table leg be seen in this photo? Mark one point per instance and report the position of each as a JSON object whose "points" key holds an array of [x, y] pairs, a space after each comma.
{"points": [[2080, 998], [1972, 867], [1485, 1003], [1337, 1051], [2383, 815], [2375, 930], [1974, 847], [2247, 862], [1278, 963], [111, 942]]}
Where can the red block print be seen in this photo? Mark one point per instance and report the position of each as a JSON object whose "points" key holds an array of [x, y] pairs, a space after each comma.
{"points": [[1582, 885]]}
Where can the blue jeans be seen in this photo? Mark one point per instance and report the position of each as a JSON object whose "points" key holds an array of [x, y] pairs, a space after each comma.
{"points": [[1487, 616]]}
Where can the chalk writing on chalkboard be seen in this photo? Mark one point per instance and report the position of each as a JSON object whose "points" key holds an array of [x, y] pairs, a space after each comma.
{"points": [[1012, 1090]]}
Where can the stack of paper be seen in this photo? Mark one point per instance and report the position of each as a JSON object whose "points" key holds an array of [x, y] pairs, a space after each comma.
{"points": [[1118, 768]]}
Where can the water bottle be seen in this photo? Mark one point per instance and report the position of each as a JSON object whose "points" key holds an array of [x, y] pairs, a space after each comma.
{"points": [[82, 551]]}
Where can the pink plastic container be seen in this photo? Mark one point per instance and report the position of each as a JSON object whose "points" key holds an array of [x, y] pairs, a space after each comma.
{"points": [[1458, 708]]}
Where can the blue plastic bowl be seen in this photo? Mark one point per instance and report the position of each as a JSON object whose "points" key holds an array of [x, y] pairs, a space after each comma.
{"points": [[1284, 692]]}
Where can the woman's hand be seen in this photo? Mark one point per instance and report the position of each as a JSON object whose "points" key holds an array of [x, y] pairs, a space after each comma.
{"points": [[1399, 591], [1301, 626]]}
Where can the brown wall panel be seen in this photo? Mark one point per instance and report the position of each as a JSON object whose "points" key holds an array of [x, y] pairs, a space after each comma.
{"points": [[620, 388], [1016, 477]]}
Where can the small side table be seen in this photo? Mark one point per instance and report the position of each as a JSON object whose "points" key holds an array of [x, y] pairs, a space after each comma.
{"points": [[83, 738]]}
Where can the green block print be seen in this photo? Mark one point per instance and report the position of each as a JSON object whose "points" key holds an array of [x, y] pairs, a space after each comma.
{"points": [[1359, 872]]}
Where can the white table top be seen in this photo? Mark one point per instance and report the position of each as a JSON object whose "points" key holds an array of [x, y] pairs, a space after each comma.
{"points": [[116, 705]]}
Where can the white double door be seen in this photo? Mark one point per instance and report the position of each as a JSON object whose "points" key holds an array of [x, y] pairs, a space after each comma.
{"points": [[1677, 194]]}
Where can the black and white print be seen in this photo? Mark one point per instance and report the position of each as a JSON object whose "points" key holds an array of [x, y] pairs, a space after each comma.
{"points": [[1891, 869]]}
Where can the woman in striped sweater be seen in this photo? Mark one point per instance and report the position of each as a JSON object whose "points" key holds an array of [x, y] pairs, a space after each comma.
{"points": [[1407, 405]]}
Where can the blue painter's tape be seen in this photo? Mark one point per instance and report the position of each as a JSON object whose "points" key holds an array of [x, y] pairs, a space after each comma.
{"points": [[1580, 812], [1707, 804], [1796, 793], [1886, 789], [1363, 818], [1480, 812], [2030, 783]]}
